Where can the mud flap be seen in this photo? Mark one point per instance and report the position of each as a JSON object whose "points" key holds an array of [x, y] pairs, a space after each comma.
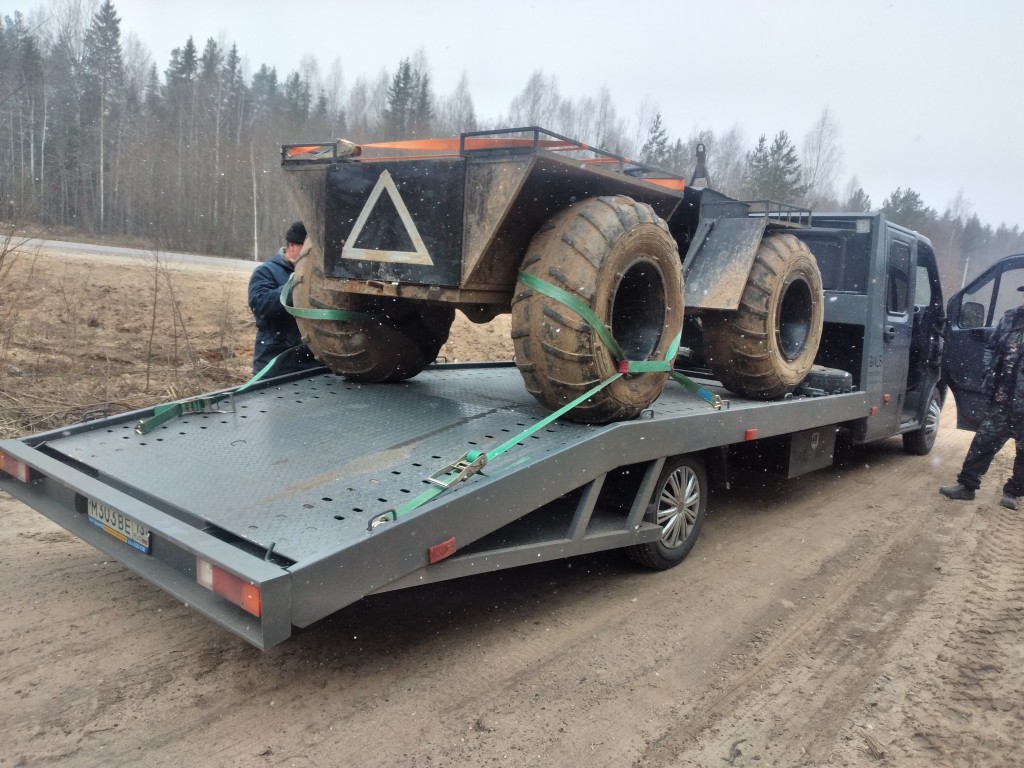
{"points": [[719, 261]]}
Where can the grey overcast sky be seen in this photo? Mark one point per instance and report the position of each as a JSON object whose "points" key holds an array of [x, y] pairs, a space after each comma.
{"points": [[928, 94]]}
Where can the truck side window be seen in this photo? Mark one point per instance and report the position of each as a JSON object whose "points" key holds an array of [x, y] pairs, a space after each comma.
{"points": [[898, 279], [1007, 296], [986, 303], [843, 259]]}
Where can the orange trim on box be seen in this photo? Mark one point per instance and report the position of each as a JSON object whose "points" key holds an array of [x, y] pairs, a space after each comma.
{"points": [[472, 142]]}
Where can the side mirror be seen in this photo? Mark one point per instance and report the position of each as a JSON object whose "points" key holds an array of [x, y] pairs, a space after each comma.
{"points": [[972, 315]]}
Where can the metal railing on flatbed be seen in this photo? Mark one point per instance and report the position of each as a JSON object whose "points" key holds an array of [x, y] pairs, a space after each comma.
{"points": [[783, 213]]}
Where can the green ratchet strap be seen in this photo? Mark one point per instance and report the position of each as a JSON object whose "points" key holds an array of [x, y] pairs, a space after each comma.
{"points": [[164, 413], [577, 306], [307, 313], [605, 334], [474, 461], [694, 388], [205, 404]]}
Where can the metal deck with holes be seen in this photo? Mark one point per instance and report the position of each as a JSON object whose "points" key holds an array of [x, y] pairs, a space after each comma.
{"points": [[280, 489]]}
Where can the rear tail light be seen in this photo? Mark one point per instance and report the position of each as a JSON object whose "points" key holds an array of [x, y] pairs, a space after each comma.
{"points": [[16, 469], [239, 591]]}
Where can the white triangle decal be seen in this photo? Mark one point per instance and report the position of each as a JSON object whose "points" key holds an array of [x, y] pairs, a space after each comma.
{"points": [[417, 256]]}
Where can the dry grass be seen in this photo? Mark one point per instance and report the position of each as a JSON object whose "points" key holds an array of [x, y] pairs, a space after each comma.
{"points": [[82, 337]]}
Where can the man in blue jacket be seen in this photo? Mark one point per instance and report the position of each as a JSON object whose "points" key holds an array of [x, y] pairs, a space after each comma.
{"points": [[1004, 416], [276, 330]]}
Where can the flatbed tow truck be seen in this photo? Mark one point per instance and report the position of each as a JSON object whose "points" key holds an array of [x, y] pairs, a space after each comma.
{"points": [[271, 508]]}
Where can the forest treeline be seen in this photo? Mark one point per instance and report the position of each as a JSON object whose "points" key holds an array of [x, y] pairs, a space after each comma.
{"points": [[95, 137]]}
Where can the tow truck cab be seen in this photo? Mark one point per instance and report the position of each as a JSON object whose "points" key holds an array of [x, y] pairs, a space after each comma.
{"points": [[883, 321]]}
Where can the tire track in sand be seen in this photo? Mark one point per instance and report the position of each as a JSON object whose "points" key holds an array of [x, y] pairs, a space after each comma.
{"points": [[974, 703], [791, 706]]}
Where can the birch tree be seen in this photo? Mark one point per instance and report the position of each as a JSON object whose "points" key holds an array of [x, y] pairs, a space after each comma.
{"points": [[821, 159]]}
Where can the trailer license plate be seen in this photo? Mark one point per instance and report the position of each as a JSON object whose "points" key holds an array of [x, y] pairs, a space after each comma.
{"points": [[119, 525]]}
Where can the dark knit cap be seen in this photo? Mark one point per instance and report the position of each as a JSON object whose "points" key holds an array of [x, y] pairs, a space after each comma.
{"points": [[296, 233]]}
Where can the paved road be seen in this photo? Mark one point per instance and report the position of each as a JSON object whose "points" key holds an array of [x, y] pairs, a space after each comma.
{"points": [[108, 252]]}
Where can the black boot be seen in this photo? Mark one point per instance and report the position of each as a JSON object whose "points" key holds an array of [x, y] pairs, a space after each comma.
{"points": [[958, 492]]}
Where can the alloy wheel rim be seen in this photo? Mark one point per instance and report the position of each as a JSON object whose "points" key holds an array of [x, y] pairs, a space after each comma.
{"points": [[678, 506]]}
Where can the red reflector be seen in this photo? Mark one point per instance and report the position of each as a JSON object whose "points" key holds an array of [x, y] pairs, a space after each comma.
{"points": [[873, 411], [750, 434], [16, 469], [623, 366], [240, 592], [439, 552]]}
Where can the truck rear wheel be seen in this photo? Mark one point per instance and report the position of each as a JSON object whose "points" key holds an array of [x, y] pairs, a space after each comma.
{"points": [[679, 507], [616, 256], [766, 347], [404, 340]]}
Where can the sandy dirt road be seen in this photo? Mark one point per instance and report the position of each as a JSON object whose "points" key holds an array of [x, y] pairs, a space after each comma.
{"points": [[850, 617]]}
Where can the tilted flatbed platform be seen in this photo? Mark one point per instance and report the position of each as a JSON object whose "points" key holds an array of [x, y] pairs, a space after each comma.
{"points": [[279, 492]]}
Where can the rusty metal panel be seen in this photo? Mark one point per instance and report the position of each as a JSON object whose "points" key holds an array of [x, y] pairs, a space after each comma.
{"points": [[491, 186], [719, 262], [308, 185], [549, 184]]}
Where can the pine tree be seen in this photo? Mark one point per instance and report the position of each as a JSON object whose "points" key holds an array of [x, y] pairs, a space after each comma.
{"points": [[182, 69], [858, 201], [152, 97], [265, 93], [421, 117], [234, 93], [23, 133], [297, 99], [103, 75], [906, 209], [773, 172], [398, 110], [656, 150], [210, 63]]}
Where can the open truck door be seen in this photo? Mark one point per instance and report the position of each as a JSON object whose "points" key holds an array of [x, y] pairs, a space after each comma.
{"points": [[973, 315]]}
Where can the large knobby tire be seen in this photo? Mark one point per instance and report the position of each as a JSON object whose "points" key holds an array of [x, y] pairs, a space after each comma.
{"points": [[766, 347], [921, 440], [404, 340], [616, 256], [679, 506]]}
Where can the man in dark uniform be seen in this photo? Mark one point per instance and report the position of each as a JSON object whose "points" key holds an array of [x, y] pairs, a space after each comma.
{"points": [[276, 330], [1004, 415]]}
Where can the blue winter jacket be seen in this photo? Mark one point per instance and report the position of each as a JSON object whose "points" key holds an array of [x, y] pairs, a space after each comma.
{"points": [[276, 330]]}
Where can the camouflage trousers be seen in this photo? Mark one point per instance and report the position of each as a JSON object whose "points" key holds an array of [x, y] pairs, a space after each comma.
{"points": [[995, 429]]}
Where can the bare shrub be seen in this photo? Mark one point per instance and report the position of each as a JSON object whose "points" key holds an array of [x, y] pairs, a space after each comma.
{"points": [[94, 335]]}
